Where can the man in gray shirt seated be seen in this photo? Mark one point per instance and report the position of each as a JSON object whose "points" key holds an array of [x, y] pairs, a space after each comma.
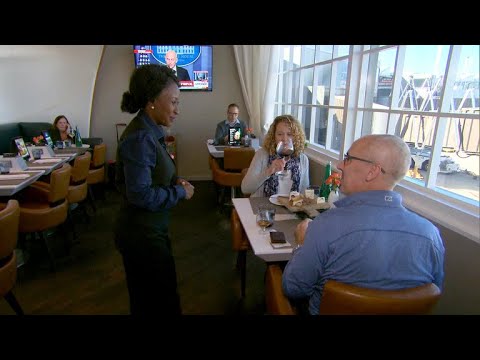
{"points": [[221, 132], [369, 239]]}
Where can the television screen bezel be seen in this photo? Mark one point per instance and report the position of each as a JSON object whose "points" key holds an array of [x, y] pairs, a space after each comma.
{"points": [[183, 88]]}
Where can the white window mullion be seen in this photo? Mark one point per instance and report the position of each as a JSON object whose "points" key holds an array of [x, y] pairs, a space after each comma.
{"points": [[351, 126], [444, 107]]}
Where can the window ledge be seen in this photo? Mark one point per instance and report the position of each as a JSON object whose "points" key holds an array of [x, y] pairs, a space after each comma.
{"points": [[458, 218]]}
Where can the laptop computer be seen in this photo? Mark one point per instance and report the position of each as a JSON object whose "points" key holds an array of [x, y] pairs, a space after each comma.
{"points": [[235, 136]]}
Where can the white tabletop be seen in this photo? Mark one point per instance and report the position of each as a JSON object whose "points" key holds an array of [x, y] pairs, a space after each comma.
{"points": [[10, 186], [47, 165], [217, 150], [260, 243]]}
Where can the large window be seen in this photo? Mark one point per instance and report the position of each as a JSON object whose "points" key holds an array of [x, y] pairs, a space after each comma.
{"points": [[427, 94]]}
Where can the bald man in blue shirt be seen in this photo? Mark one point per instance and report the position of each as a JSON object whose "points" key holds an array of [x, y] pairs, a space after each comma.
{"points": [[369, 239]]}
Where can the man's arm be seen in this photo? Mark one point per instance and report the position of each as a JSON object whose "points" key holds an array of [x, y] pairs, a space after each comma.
{"points": [[183, 74], [302, 272], [219, 135]]}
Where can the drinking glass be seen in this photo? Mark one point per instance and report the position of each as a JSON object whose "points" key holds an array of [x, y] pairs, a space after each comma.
{"points": [[265, 218], [284, 149], [37, 154]]}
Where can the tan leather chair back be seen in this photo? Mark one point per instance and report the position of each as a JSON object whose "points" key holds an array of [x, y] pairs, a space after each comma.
{"points": [[225, 178], [276, 302], [80, 168], [237, 158], [345, 299], [9, 220], [99, 155], [59, 181]]}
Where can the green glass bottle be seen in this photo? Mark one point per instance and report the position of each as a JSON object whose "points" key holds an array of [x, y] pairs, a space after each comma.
{"points": [[325, 189], [78, 138]]}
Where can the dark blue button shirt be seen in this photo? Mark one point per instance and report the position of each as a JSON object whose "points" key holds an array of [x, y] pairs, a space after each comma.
{"points": [[139, 152]]}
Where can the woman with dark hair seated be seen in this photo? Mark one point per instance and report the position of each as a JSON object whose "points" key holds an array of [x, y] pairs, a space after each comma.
{"points": [[60, 130]]}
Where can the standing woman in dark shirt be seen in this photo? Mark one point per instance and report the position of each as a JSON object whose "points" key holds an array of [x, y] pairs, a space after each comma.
{"points": [[146, 177]]}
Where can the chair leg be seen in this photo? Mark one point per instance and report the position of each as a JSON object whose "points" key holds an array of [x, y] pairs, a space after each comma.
{"points": [[67, 243], [102, 186], [91, 198], [242, 266], [12, 301], [44, 239], [71, 222], [83, 208]]}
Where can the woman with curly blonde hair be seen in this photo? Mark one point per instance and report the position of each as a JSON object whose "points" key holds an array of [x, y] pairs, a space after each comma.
{"points": [[261, 179]]}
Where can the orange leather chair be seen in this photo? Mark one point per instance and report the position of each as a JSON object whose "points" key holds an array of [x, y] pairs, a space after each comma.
{"points": [[346, 299], [9, 220], [237, 159], [78, 188], [235, 164], [44, 206], [96, 174], [240, 244]]}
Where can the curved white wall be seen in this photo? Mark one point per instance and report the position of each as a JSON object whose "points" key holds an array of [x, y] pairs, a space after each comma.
{"points": [[39, 82], [200, 111]]}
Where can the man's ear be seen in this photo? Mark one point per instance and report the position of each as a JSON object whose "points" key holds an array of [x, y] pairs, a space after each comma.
{"points": [[373, 173]]}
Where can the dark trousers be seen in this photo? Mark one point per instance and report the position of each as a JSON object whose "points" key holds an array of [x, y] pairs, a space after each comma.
{"points": [[151, 280]]}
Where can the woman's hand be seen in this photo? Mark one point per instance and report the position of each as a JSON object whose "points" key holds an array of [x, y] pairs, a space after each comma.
{"points": [[276, 165], [189, 188]]}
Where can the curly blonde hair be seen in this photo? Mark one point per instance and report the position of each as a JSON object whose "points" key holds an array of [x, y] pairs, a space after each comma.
{"points": [[298, 135]]}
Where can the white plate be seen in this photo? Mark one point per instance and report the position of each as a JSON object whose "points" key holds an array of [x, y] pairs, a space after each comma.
{"points": [[273, 199]]}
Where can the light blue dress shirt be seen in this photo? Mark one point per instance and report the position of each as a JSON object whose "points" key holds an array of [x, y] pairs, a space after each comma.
{"points": [[369, 240]]}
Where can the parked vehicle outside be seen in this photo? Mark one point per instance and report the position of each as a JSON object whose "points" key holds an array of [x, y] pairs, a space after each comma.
{"points": [[422, 156]]}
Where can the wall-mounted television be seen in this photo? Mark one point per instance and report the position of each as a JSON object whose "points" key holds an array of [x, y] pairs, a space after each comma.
{"points": [[194, 65]]}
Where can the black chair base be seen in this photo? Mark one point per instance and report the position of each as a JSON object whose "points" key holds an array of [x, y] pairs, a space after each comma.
{"points": [[12, 301], [242, 266]]}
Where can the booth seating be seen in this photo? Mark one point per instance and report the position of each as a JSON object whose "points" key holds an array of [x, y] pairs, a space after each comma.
{"points": [[346, 299], [25, 129], [28, 130], [44, 206], [9, 220]]}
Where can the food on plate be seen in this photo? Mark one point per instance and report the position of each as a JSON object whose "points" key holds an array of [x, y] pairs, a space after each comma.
{"points": [[295, 199], [310, 194], [320, 200]]}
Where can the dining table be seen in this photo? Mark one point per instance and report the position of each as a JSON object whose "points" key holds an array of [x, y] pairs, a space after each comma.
{"points": [[217, 151], [49, 164], [285, 221], [13, 182]]}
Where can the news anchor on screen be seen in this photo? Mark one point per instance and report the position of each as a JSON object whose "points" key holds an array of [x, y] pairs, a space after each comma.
{"points": [[171, 60]]}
